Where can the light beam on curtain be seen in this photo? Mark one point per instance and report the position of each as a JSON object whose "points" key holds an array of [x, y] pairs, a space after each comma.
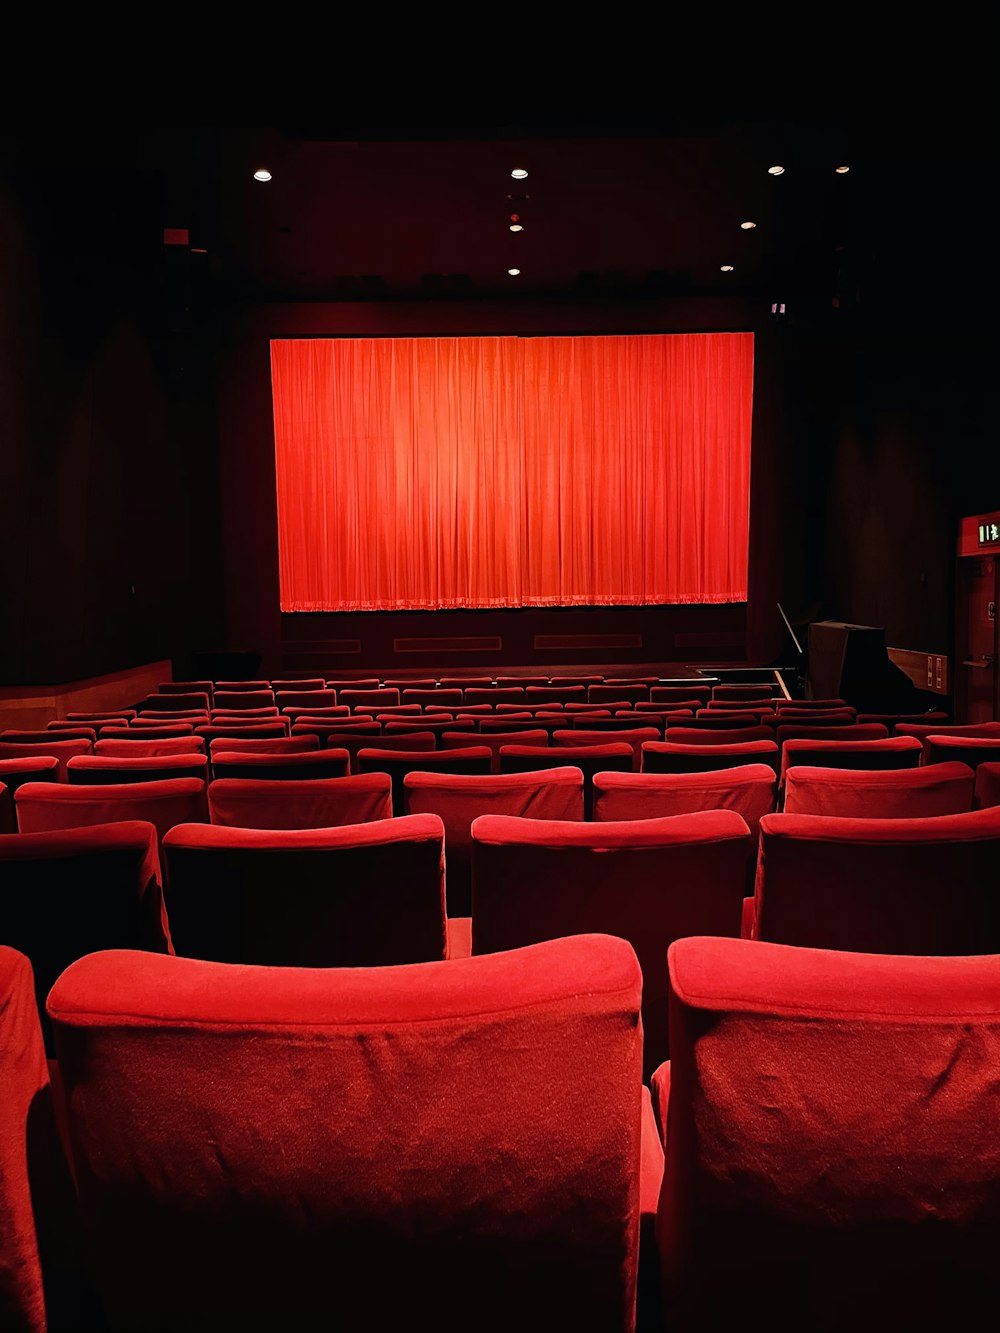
{"points": [[417, 473]]}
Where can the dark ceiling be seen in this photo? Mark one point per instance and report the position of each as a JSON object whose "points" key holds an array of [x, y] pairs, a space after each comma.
{"points": [[626, 209]]}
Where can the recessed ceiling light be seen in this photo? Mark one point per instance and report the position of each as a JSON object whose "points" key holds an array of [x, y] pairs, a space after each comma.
{"points": [[842, 171], [262, 174], [776, 171], [726, 268], [513, 272], [748, 226], [519, 173], [516, 226]]}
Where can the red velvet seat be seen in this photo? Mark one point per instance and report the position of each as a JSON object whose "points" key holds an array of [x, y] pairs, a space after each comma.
{"points": [[552, 694], [261, 731], [891, 752], [832, 1157], [476, 759], [751, 790], [459, 799], [443, 1145], [971, 750], [892, 720], [242, 686], [368, 683], [250, 717], [70, 892], [60, 751], [756, 706], [146, 733], [670, 757], [35, 768], [462, 740], [743, 693], [815, 717], [573, 681], [443, 698], [354, 744], [669, 693], [619, 722], [361, 895], [176, 701], [670, 707], [619, 693], [78, 732], [100, 770], [285, 699], [907, 793], [328, 729], [263, 698], [526, 682], [589, 759], [596, 710], [138, 745], [509, 722], [868, 731], [312, 683], [314, 803], [367, 712], [151, 719], [437, 724], [987, 786], [410, 683], [880, 885], [355, 697], [724, 720], [587, 737], [42, 806], [186, 687], [161, 726], [310, 765], [93, 724], [703, 735], [272, 745], [326, 714], [24, 1082], [493, 696], [649, 881], [465, 682], [982, 730]]}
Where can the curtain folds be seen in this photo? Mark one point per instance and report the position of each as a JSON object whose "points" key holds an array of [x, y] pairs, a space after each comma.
{"points": [[419, 473]]}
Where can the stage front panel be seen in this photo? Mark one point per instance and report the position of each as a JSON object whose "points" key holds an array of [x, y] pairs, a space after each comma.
{"points": [[443, 473]]}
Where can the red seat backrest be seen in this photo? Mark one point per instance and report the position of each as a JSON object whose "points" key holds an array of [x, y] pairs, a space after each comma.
{"points": [[452, 1086], [42, 806], [671, 757], [906, 793], [891, 752], [313, 803], [61, 751], [832, 1134], [137, 746], [361, 895], [899, 886], [751, 790], [476, 759], [650, 881], [102, 770], [633, 736], [459, 799]]}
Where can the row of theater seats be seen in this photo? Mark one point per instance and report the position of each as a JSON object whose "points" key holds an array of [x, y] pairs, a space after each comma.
{"points": [[485, 864], [470, 1145], [420, 1046]]}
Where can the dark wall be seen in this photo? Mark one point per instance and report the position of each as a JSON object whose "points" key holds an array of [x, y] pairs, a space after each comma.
{"points": [[109, 535], [901, 445], [693, 633]]}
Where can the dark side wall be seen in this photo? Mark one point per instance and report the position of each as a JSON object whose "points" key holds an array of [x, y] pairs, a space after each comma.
{"points": [[898, 427], [109, 544]]}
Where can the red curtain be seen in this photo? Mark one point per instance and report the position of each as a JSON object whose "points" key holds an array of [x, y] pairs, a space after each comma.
{"points": [[417, 473]]}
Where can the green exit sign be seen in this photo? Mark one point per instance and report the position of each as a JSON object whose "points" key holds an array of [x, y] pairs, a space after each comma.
{"points": [[989, 533]]}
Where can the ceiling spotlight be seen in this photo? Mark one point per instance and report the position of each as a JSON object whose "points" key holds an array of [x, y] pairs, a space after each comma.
{"points": [[842, 171], [262, 174], [513, 272], [748, 226], [516, 226], [776, 171], [519, 173], [726, 268]]}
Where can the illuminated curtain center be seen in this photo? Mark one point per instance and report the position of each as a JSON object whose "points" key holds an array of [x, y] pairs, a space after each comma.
{"points": [[418, 473]]}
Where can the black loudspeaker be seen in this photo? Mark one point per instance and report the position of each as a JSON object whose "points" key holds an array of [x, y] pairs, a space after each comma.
{"points": [[851, 662]]}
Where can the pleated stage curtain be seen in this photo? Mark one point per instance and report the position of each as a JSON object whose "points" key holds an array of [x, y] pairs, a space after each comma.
{"points": [[417, 473]]}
